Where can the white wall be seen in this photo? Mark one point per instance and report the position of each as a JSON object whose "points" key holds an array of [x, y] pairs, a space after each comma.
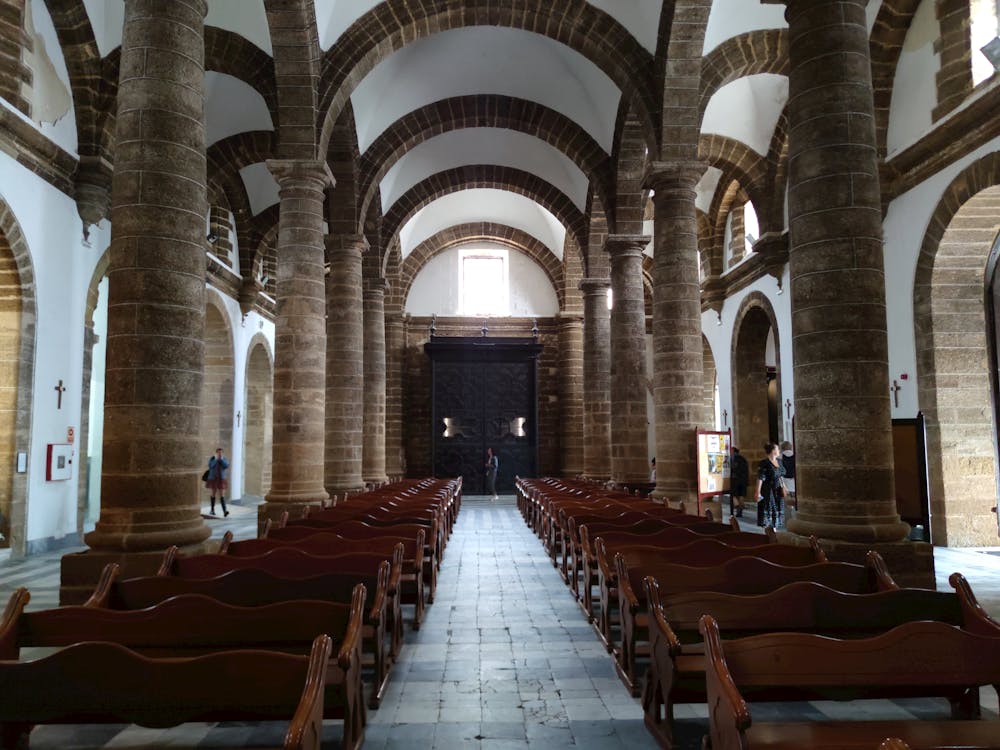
{"points": [[905, 226], [914, 89], [435, 290], [63, 265]]}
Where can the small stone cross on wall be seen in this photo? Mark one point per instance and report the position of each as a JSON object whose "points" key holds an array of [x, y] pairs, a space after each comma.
{"points": [[60, 390]]}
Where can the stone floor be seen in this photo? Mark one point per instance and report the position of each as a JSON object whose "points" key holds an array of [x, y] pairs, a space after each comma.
{"points": [[504, 660]]}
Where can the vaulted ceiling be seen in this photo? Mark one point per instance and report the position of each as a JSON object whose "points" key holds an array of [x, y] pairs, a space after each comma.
{"points": [[525, 114]]}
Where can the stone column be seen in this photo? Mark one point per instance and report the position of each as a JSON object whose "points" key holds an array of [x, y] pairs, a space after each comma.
{"points": [[299, 341], [844, 466], [155, 355], [571, 393], [629, 442], [596, 379], [373, 453], [678, 351], [345, 386], [395, 345]]}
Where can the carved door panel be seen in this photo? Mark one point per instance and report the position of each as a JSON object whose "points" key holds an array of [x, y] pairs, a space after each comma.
{"points": [[480, 401]]}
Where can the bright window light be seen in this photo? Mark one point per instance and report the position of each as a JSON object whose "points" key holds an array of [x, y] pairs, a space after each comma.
{"points": [[483, 275], [751, 227], [984, 29]]}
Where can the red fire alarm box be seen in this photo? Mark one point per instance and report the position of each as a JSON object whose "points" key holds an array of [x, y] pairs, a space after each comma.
{"points": [[58, 462]]}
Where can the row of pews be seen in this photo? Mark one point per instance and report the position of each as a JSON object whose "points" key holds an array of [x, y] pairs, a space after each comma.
{"points": [[297, 625], [695, 611]]}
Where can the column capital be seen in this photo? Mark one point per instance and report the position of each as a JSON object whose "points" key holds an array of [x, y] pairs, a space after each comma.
{"points": [[665, 177], [593, 287], [350, 244], [375, 287], [625, 245], [310, 173]]}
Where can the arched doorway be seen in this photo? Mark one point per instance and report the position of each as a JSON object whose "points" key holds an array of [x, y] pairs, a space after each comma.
{"points": [[217, 387], [10, 352], [257, 422], [755, 376], [17, 357], [953, 339]]}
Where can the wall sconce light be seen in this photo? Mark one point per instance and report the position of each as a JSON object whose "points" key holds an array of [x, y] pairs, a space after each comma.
{"points": [[434, 319], [212, 237], [534, 327]]}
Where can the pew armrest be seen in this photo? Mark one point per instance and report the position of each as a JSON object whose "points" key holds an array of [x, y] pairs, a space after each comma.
{"points": [[729, 715], [10, 622], [976, 619], [306, 729], [375, 614], [169, 559], [227, 539], [101, 597], [350, 649]]}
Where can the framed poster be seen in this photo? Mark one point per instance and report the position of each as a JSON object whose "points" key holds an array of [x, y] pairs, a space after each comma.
{"points": [[715, 457]]}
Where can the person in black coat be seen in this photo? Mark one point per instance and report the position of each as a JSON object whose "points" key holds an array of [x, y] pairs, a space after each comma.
{"points": [[769, 478]]}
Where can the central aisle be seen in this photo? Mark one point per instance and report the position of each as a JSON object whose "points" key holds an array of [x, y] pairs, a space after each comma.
{"points": [[505, 655]]}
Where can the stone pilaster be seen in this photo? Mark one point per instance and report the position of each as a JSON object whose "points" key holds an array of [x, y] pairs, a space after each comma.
{"points": [[678, 351], [155, 350], [596, 379], [395, 349], [571, 393], [844, 466], [629, 442], [345, 386], [373, 448], [299, 341]]}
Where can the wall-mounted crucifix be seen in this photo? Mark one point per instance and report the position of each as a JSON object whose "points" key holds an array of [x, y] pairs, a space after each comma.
{"points": [[60, 390], [788, 408], [238, 415], [725, 417], [895, 388]]}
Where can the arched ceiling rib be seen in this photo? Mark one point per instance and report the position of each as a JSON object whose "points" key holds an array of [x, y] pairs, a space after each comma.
{"points": [[575, 24], [477, 206], [478, 60], [496, 146], [482, 111], [485, 176]]}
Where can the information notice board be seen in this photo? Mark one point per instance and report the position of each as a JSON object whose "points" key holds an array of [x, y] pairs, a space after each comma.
{"points": [[715, 461]]}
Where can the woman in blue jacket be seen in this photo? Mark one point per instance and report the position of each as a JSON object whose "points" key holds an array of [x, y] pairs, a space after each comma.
{"points": [[215, 479]]}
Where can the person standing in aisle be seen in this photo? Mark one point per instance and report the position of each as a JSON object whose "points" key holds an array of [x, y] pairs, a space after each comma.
{"points": [[216, 479], [492, 468]]}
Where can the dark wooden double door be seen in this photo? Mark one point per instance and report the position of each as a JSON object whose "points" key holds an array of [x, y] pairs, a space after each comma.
{"points": [[484, 395]]}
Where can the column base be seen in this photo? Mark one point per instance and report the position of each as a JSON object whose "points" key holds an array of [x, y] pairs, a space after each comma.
{"points": [[273, 511], [376, 480], [910, 563], [80, 571], [881, 529]]}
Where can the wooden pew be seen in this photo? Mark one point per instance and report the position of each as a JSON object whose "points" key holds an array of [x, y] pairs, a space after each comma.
{"points": [[289, 562], [746, 575], [917, 658], [176, 630], [326, 543], [701, 556], [380, 636], [677, 668], [357, 529]]}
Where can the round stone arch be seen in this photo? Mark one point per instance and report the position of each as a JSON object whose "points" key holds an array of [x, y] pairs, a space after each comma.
{"points": [[218, 385], [481, 111], [463, 234], [258, 410], [491, 176], [750, 53], [611, 47], [755, 321], [18, 279], [953, 385]]}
